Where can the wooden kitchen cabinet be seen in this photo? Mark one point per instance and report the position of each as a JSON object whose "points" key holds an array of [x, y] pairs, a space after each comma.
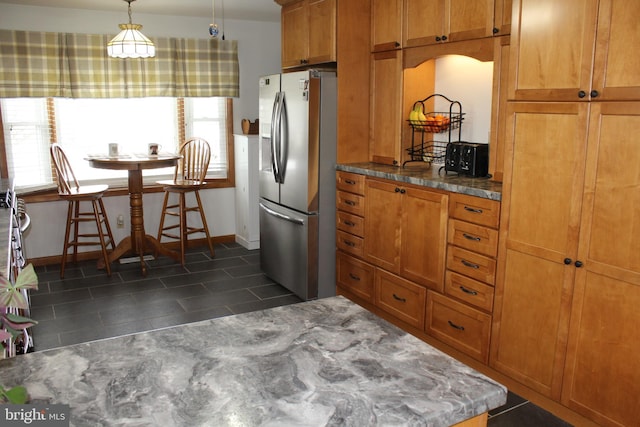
{"points": [[539, 231], [308, 33], [435, 21], [602, 371], [405, 231], [386, 25], [561, 59], [386, 108], [350, 213]]}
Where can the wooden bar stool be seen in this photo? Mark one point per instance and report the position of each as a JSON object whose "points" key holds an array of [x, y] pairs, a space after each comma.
{"points": [[69, 189], [188, 177]]}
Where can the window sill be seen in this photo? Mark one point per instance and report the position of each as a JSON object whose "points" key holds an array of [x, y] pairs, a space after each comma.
{"points": [[51, 194]]}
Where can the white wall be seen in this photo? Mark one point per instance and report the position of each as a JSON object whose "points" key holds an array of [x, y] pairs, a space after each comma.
{"points": [[470, 82], [259, 54]]}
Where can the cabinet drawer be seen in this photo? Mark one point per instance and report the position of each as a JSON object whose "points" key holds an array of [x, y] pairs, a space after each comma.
{"points": [[351, 182], [355, 276], [474, 209], [468, 290], [471, 264], [350, 202], [459, 326], [350, 243], [474, 237], [401, 298], [350, 223]]}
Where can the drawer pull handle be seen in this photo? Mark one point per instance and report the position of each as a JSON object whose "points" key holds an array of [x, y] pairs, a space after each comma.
{"points": [[470, 237], [349, 202], [399, 299], [349, 223], [350, 181], [354, 277], [468, 291], [478, 211], [348, 243], [469, 264], [453, 325]]}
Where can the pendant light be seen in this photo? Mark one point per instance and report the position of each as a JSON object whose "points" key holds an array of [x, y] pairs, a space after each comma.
{"points": [[130, 42], [213, 27]]}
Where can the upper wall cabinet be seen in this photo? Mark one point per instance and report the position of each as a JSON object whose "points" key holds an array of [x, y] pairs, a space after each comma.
{"points": [[308, 33], [386, 25], [559, 56], [436, 21]]}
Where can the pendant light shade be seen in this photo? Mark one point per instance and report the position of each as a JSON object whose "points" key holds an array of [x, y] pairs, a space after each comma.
{"points": [[130, 42]]}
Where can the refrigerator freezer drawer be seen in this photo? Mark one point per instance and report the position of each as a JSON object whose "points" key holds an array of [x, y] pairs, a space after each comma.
{"points": [[289, 248]]}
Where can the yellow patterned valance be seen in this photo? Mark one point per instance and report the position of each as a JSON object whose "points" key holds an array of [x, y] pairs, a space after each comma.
{"points": [[39, 64]]}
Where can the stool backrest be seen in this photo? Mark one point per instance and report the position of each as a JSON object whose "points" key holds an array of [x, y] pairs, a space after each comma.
{"points": [[64, 173], [196, 154]]}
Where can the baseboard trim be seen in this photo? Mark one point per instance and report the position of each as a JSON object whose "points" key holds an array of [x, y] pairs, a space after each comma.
{"points": [[94, 255]]}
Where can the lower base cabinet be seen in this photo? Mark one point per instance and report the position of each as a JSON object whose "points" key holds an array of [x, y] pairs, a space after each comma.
{"points": [[459, 326], [355, 276], [400, 297]]}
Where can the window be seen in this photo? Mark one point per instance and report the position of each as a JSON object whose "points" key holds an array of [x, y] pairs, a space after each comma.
{"points": [[86, 127]]}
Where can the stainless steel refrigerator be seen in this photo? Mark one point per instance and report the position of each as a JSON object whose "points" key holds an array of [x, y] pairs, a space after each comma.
{"points": [[297, 181]]}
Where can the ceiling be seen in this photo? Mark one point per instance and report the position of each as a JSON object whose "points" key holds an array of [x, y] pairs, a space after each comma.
{"points": [[252, 10]]}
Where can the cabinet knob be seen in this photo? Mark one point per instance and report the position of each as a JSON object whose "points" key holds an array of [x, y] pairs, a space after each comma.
{"points": [[582, 94], [397, 190], [567, 261], [444, 38], [594, 93], [578, 264], [495, 30], [438, 39], [402, 191], [397, 44]]}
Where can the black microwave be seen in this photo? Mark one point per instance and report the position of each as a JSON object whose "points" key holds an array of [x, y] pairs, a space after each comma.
{"points": [[467, 158]]}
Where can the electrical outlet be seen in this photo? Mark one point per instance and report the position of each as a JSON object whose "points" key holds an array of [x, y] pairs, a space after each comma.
{"points": [[120, 221]]}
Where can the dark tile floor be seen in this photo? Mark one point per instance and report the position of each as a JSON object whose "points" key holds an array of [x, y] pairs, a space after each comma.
{"points": [[87, 305]]}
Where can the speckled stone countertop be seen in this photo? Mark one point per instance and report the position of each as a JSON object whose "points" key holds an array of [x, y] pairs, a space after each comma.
{"points": [[317, 363], [429, 176]]}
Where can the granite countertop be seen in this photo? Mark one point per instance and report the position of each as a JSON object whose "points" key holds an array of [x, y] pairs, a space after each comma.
{"points": [[429, 176], [317, 363]]}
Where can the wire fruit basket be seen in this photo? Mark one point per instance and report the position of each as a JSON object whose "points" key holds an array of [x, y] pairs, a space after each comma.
{"points": [[425, 147]]}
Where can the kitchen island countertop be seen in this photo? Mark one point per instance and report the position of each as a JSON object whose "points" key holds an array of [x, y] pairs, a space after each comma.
{"points": [[323, 362], [429, 176]]}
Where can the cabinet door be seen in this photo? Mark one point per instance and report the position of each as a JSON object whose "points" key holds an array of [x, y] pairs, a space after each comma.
{"points": [[424, 22], [386, 25], [502, 17], [470, 19], [553, 45], [386, 107], [434, 21], [424, 237], [602, 376], [539, 230], [295, 31], [383, 209], [616, 73], [322, 31]]}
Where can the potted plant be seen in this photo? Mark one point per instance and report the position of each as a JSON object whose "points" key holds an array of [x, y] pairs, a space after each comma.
{"points": [[12, 325]]}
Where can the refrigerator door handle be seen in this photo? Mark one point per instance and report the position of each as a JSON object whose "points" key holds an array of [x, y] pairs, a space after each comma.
{"points": [[284, 138], [275, 135], [281, 216]]}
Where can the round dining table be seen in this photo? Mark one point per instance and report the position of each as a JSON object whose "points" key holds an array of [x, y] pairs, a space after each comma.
{"points": [[138, 242]]}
